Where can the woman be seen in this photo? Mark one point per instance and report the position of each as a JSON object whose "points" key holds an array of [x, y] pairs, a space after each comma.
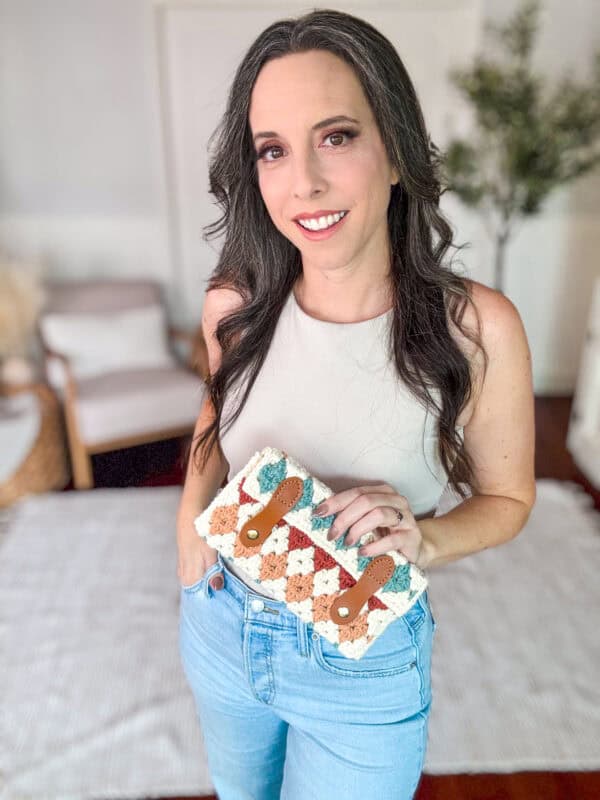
{"points": [[335, 332]]}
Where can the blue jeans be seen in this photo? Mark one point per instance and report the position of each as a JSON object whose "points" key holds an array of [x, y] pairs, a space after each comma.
{"points": [[284, 715]]}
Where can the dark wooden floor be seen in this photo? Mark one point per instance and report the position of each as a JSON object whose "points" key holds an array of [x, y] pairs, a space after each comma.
{"points": [[162, 464]]}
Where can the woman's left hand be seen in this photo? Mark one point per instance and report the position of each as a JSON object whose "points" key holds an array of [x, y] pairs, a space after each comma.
{"points": [[375, 508]]}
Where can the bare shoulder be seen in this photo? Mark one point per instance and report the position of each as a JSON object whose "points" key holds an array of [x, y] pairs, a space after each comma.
{"points": [[499, 317], [497, 320], [218, 303], [483, 299]]}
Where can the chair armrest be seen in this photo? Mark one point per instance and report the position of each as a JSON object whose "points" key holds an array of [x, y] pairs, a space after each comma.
{"points": [[198, 352], [70, 386]]}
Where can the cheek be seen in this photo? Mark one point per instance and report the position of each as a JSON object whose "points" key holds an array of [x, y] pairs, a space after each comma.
{"points": [[364, 174], [270, 200]]}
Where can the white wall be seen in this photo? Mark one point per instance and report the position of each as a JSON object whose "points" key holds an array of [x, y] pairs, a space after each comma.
{"points": [[81, 170], [93, 172]]}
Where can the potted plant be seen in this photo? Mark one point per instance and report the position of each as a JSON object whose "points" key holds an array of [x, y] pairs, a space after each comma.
{"points": [[530, 138]]}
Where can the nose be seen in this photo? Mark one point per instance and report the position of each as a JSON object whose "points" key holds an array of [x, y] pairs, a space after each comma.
{"points": [[307, 176]]}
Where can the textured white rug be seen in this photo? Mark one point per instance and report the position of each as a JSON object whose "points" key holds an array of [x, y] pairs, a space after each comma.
{"points": [[95, 705], [516, 652]]}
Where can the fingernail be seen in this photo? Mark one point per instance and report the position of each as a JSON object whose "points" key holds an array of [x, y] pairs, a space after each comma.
{"points": [[217, 582], [320, 511]]}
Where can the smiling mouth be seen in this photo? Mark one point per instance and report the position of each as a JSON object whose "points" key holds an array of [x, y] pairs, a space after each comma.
{"points": [[321, 223]]}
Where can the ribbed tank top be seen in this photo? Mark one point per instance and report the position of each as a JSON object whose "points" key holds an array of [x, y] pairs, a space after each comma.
{"points": [[328, 394]]}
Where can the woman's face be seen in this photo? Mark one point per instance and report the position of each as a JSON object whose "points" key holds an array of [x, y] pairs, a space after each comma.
{"points": [[306, 168]]}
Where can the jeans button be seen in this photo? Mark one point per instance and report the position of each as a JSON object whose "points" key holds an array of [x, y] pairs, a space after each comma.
{"points": [[257, 605]]}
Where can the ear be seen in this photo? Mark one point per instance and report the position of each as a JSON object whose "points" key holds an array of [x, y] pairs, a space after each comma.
{"points": [[395, 177]]}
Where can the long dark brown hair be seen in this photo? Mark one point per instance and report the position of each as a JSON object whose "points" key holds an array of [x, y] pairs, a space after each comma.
{"points": [[263, 265]]}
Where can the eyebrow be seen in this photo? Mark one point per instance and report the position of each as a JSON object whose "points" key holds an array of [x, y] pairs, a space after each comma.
{"points": [[324, 123]]}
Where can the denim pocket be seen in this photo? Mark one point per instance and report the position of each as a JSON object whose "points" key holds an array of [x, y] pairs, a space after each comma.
{"points": [[392, 653], [417, 613], [195, 587], [433, 622]]}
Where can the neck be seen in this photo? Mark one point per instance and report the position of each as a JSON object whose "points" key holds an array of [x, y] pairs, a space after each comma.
{"points": [[343, 301]]}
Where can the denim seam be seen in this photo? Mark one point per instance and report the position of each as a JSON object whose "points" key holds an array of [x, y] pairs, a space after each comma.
{"points": [[271, 695], [422, 748], [247, 640], [302, 637], [417, 662]]}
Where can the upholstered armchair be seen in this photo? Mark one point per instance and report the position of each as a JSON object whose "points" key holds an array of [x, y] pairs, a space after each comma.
{"points": [[110, 354]]}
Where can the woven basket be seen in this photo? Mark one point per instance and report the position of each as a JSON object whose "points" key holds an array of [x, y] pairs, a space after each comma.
{"points": [[46, 466]]}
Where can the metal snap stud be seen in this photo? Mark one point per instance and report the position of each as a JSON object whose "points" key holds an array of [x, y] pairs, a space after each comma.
{"points": [[343, 611], [315, 636], [252, 533]]}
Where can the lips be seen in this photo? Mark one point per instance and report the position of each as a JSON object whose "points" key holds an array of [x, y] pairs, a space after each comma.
{"points": [[319, 213], [318, 235]]}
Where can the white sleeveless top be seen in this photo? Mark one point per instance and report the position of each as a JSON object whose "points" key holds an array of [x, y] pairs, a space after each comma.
{"points": [[329, 394]]}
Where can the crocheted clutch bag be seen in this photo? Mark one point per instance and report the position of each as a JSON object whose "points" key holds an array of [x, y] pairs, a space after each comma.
{"points": [[262, 521]]}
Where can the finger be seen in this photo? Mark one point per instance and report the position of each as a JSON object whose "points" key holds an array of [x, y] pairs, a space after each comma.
{"points": [[365, 524], [339, 501], [376, 509], [399, 541]]}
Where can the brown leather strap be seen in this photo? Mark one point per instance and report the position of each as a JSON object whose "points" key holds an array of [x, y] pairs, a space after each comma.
{"points": [[285, 497], [377, 574]]}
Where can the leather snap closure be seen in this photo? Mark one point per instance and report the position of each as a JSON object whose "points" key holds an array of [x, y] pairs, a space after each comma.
{"points": [[257, 605]]}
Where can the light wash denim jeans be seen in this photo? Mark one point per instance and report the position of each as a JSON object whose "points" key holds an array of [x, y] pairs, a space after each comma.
{"points": [[284, 715]]}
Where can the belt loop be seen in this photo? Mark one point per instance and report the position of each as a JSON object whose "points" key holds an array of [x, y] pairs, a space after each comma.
{"points": [[301, 632]]}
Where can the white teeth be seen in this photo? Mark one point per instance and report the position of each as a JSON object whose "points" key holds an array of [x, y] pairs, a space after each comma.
{"points": [[322, 223]]}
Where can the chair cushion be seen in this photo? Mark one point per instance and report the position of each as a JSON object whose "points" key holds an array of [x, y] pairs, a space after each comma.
{"points": [[134, 402], [96, 343]]}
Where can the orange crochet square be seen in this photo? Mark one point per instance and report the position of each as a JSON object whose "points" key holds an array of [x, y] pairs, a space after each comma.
{"points": [[321, 606], [273, 566], [241, 551], [224, 519], [355, 629], [299, 587]]}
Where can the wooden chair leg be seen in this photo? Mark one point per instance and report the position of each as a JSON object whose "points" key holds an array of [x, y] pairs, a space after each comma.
{"points": [[81, 461]]}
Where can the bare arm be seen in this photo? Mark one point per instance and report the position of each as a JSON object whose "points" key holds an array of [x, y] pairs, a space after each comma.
{"points": [[194, 555], [500, 437], [200, 488]]}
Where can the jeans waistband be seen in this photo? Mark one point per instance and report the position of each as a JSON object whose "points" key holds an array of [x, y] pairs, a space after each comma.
{"points": [[255, 605], [271, 612]]}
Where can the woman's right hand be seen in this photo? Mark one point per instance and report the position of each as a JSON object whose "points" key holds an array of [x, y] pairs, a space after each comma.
{"points": [[195, 557]]}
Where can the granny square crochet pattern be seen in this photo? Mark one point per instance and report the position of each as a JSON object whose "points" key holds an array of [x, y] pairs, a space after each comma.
{"points": [[297, 562]]}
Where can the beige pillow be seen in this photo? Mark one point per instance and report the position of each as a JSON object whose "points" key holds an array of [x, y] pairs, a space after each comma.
{"points": [[101, 342]]}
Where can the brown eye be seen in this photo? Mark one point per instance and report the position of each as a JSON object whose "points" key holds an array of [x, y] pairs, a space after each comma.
{"points": [[337, 136], [343, 134], [261, 155]]}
